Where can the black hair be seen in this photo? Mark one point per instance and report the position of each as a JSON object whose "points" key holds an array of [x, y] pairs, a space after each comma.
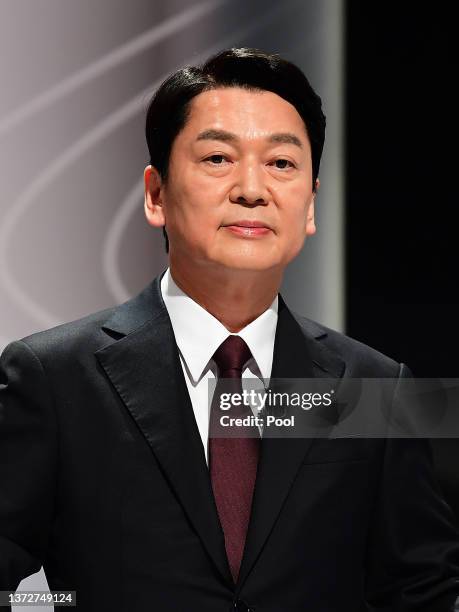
{"points": [[243, 67]]}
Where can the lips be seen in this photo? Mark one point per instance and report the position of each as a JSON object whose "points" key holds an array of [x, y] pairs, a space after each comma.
{"points": [[248, 223], [248, 228]]}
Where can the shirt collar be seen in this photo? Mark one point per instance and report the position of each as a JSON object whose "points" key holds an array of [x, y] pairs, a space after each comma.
{"points": [[198, 333]]}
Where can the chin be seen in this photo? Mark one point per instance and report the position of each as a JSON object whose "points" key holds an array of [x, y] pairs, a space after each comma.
{"points": [[246, 257], [249, 264]]}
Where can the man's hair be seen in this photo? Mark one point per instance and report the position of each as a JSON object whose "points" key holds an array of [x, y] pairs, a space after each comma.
{"points": [[247, 68]]}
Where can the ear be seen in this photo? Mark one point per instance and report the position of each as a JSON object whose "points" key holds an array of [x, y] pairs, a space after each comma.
{"points": [[310, 222], [153, 206]]}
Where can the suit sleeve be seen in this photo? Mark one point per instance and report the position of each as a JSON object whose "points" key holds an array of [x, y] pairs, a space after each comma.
{"points": [[28, 457], [413, 546]]}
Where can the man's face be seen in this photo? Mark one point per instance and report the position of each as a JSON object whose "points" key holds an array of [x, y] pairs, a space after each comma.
{"points": [[243, 159]]}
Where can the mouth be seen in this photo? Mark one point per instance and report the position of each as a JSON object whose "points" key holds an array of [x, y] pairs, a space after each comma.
{"points": [[248, 228]]}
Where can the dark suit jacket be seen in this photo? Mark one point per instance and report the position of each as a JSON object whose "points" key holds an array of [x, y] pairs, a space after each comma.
{"points": [[103, 480]]}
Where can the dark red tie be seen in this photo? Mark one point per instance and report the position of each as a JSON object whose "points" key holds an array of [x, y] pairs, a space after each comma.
{"points": [[232, 461]]}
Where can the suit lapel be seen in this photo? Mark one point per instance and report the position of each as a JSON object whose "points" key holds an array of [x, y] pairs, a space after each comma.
{"points": [[298, 353], [144, 368]]}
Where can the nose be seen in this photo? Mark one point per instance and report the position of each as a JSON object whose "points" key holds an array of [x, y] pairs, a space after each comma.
{"points": [[249, 186]]}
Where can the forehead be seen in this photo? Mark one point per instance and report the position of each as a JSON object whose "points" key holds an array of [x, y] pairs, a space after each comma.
{"points": [[246, 113]]}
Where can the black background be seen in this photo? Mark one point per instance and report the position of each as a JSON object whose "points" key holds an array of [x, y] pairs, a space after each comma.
{"points": [[401, 203]]}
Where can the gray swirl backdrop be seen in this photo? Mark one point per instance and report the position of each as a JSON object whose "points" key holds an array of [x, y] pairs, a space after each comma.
{"points": [[75, 80]]}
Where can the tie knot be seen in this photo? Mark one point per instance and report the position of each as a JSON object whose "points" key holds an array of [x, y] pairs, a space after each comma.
{"points": [[231, 355]]}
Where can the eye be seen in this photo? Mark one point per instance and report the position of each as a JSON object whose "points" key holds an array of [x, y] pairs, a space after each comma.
{"points": [[282, 164], [216, 160]]}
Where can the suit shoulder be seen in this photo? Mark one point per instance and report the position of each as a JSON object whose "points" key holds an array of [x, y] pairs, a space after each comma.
{"points": [[82, 333], [362, 360]]}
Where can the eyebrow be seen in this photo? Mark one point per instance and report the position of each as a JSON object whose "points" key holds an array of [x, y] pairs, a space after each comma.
{"points": [[223, 135]]}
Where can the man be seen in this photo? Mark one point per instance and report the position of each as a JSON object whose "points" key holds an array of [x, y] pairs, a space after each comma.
{"points": [[108, 475]]}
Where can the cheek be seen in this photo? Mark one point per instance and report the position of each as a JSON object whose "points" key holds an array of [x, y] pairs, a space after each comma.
{"points": [[213, 190], [197, 196], [194, 213], [293, 207]]}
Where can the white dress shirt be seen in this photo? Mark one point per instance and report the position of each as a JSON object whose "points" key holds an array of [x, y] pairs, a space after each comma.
{"points": [[198, 335]]}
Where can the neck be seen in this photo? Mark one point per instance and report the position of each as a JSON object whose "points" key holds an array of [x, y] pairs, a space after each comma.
{"points": [[234, 297]]}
